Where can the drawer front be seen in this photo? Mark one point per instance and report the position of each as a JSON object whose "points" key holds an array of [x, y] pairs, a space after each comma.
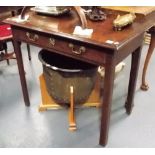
{"points": [[62, 46]]}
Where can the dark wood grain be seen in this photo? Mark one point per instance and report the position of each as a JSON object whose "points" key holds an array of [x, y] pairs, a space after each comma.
{"points": [[10, 8], [17, 49], [133, 78], [102, 31], [107, 99], [9, 11]]}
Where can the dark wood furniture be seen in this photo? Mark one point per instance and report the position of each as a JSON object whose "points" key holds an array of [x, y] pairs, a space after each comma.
{"points": [[8, 11], [144, 85], [105, 47], [10, 8], [5, 12]]}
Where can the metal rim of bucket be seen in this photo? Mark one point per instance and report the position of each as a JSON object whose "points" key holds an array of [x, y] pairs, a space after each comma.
{"points": [[58, 68]]}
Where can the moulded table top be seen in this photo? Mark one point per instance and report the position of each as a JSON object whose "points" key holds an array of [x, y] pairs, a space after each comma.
{"points": [[102, 31]]}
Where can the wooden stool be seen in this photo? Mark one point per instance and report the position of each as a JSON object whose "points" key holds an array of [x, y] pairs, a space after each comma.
{"points": [[49, 103]]}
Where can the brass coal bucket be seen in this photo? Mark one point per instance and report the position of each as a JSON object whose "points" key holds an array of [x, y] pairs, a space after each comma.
{"points": [[61, 72]]}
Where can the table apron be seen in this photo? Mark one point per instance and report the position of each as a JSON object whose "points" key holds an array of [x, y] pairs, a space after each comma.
{"points": [[94, 55], [129, 47]]}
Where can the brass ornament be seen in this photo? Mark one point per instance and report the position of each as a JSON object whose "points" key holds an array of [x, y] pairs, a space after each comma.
{"points": [[121, 21]]}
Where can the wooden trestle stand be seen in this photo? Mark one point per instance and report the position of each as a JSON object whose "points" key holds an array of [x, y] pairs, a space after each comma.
{"points": [[49, 103]]}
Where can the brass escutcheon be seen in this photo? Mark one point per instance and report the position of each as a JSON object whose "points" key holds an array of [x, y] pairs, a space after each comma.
{"points": [[32, 37], [52, 41]]}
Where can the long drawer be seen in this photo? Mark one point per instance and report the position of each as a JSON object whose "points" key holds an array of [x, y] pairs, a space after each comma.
{"points": [[63, 46]]}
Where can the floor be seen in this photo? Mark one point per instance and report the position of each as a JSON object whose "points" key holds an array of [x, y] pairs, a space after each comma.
{"points": [[22, 126]]}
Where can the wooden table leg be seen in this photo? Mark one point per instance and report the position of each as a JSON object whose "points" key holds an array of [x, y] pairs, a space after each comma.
{"points": [[19, 58], [107, 99], [133, 78], [144, 85]]}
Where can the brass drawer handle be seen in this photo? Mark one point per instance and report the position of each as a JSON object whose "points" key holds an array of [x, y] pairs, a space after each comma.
{"points": [[81, 50], [52, 41], [32, 37]]}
